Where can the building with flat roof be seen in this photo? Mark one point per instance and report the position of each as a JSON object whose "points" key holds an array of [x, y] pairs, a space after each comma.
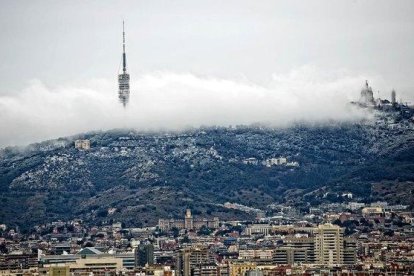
{"points": [[190, 260], [84, 144], [189, 222], [329, 245]]}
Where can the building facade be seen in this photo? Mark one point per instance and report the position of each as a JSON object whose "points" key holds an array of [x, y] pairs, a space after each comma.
{"points": [[329, 245], [144, 255], [189, 222]]}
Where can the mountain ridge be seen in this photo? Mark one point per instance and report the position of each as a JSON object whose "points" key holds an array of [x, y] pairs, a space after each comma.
{"points": [[147, 176]]}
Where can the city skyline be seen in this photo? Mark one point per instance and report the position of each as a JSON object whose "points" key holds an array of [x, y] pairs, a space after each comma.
{"points": [[206, 138]]}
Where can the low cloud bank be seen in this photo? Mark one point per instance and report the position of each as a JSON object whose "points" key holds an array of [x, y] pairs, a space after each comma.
{"points": [[175, 101]]}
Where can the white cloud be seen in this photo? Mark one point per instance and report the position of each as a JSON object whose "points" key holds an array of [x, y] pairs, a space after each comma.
{"points": [[175, 101]]}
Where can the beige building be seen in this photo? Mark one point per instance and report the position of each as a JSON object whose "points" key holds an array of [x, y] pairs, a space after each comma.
{"points": [[59, 271], [237, 269], [264, 229], [251, 254], [83, 266], [82, 144], [189, 222], [372, 211], [329, 244]]}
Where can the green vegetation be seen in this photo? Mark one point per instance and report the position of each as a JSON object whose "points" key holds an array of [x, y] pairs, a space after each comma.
{"points": [[151, 176]]}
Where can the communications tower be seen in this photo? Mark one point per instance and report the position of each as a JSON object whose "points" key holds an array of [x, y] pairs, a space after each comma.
{"points": [[123, 78]]}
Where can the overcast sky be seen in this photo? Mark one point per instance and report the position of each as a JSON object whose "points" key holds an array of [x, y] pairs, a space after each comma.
{"points": [[72, 50]]}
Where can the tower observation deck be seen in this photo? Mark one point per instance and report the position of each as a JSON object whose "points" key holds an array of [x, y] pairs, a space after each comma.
{"points": [[123, 78]]}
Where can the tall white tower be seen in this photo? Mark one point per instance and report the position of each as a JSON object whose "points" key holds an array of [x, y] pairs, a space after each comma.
{"points": [[123, 78]]}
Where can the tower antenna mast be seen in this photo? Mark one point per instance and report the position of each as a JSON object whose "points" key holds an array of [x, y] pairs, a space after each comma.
{"points": [[123, 79], [123, 46]]}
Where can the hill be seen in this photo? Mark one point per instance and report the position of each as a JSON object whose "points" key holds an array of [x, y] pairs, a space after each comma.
{"points": [[147, 176]]}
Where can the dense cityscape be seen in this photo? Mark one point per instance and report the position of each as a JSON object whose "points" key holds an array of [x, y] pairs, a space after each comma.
{"points": [[333, 239], [343, 237], [296, 174]]}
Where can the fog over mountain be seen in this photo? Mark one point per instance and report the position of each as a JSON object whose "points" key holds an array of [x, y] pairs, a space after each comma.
{"points": [[196, 63], [175, 101]]}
